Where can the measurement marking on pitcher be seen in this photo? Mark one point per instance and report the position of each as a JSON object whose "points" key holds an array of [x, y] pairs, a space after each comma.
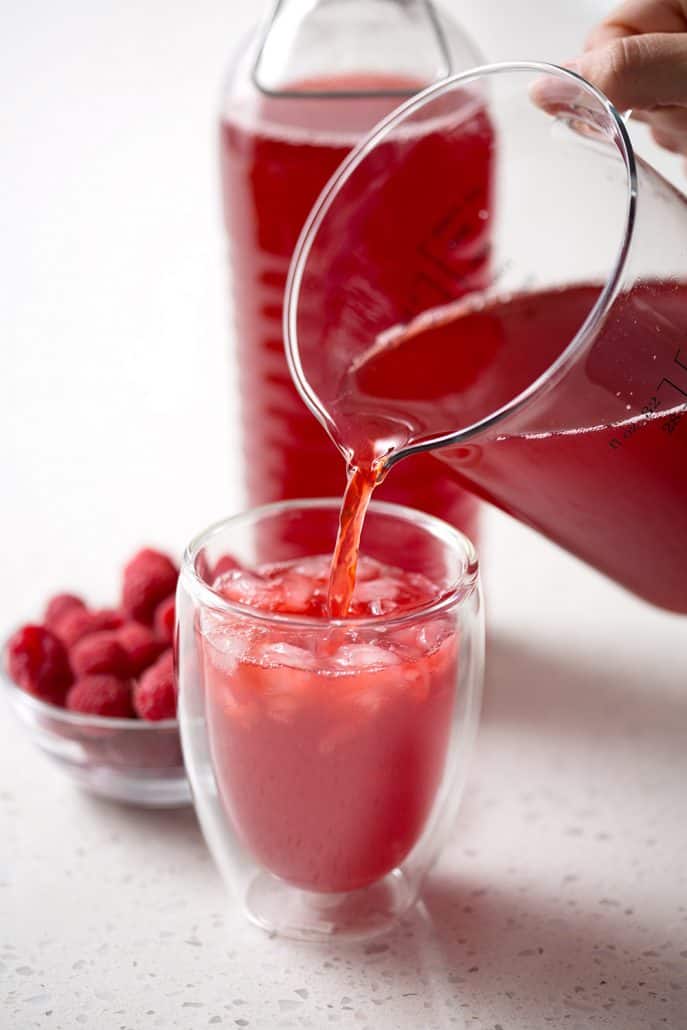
{"points": [[653, 405], [444, 269]]}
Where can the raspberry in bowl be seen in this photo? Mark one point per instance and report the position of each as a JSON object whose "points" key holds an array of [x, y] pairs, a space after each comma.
{"points": [[77, 681], [327, 756]]}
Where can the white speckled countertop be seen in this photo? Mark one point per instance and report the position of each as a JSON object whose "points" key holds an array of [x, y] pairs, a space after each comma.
{"points": [[562, 902]]}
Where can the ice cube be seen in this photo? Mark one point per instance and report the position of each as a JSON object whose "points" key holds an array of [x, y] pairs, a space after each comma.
{"points": [[296, 592], [315, 567], [423, 587], [289, 655], [431, 634], [285, 690], [383, 588], [444, 655], [407, 638], [246, 588], [363, 656], [225, 651], [368, 568], [227, 641]]}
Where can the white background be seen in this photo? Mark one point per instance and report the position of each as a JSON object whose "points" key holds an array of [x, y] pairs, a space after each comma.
{"points": [[562, 902]]}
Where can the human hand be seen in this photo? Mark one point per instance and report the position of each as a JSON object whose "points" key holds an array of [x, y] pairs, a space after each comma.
{"points": [[638, 58]]}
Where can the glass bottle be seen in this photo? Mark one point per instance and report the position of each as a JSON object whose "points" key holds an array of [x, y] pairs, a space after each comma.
{"points": [[301, 92]]}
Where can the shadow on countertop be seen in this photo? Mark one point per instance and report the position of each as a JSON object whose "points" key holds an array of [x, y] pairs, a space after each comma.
{"points": [[475, 956], [525, 962], [567, 690]]}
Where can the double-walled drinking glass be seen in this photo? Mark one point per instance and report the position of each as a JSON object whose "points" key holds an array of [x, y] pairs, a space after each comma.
{"points": [[327, 758]]}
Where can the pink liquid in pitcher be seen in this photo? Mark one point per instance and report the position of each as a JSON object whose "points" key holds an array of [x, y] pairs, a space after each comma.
{"points": [[328, 748], [599, 465], [276, 158]]}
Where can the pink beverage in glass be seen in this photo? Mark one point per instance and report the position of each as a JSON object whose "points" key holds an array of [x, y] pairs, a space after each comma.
{"points": [[328, 755], [276, 156]]}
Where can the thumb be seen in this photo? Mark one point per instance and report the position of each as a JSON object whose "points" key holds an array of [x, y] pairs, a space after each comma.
{"points": [[638, 72]]}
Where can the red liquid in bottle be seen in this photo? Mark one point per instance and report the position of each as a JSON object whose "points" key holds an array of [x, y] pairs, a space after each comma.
{"points": [[274, 164]]}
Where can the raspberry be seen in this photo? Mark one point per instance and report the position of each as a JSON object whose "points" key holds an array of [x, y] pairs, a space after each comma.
{"points": [[78, 623], [164, 620], [227, 563], [101, 695], [166, 661], [58, 606], [155, 692], [141, 646], [149, 578], [99, 653], [38, 662]]}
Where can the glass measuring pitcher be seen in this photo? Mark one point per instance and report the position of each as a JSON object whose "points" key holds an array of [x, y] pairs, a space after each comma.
{"points": [[559, 391], [302, 91]]}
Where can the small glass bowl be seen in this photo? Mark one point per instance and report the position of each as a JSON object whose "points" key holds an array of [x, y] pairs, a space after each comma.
{"points": [[136, 762]]}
